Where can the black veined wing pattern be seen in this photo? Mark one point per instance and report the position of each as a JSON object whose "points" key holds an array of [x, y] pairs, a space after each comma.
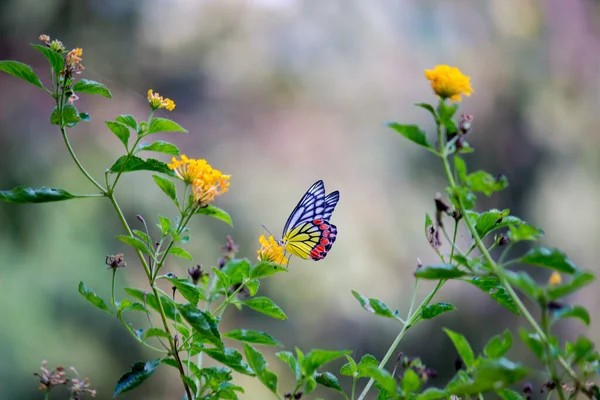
{"points": [[308, 232]]}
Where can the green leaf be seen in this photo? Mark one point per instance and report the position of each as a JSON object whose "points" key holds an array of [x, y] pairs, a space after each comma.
{"points": [[164, 224], [24, 194], [91, 87], [434, 310], [265, 306], [508, 394], [486, 221], [265, 268], [439, 271], [139, 372], [128, 120], [525, 283], [223, 279], [252, 286], [498, 345], [412, 133], [491, 374], [127, 305], [188, 290], [410, 381], [532, 340], [580, 279], [491, 286], [310, 385], [56, 60], [580, 350], [329, 380], [374, 306], [84, 116], [237, 270], [524, 232], [427, 107], [382, 377], [259, 365], [481, 181], [203, 323], [549, 258], [136, 243], [462, 347], [133, 163], [317, 358], [148, 298], [232, 358], [156, 332], [572, 312], [160, 146], [179, 252], [167, 186], [70, 115], [217, 213], [461, 168], [251, 336], [366, 361], [288, 358], [20, 70], [432, 394], [446, 111], [164, 125], [121, 131], [93, 298], [350, 368], [55, 117]]}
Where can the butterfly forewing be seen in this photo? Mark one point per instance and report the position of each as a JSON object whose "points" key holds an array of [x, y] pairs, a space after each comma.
{"points": [[311, 206]]}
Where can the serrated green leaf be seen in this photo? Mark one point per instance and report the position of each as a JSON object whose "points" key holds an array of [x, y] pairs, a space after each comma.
{"points": [[164, 125], [350, 368], [410, 381], [266, 306], [203, 323], [575, 311], [432, 394], [524, 232], [156, 332], [231, 358], [532, 340], [133, 163], [381, 376], [288, 358], [439, 271], [491, 374], [329, 380], [508, 394], [139, 372], [434, 310], [216, 212], [187, 289], [461, 169], [373, 305], [70, 115], [223, 280], [179, 252], [91, 87], [252, 336], [167, 186], [148, 298], [549, 258], [317, 358], [56, 60], [164, 224], [127, 120], [252, 286], [481, 181], [259, 366], [428, 107], [265, 268], [498, 345], [525, 283], [237, 270], [22, 71], [136, 243], [160, 146], [491, 286], [121, 131], [462, 347], [412, 133], [25, 194], [93, 298]]}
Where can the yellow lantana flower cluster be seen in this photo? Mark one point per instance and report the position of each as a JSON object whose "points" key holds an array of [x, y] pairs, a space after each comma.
{"points": [[207, 182], [271, 250], [156, 101], [448, 82]]}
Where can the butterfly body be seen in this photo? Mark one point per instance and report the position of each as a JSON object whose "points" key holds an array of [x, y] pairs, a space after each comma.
{"points": [[308, 232]]}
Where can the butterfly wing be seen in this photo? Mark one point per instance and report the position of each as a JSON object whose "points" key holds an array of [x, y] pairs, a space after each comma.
{"points": [[307, 232]]}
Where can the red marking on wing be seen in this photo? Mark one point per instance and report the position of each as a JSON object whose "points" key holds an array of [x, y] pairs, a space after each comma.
{"points": [[318, 221], [324, 241], [323, 227]]}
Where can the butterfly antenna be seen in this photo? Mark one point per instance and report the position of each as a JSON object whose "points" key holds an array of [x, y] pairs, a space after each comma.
{"points": [[268, 231]]}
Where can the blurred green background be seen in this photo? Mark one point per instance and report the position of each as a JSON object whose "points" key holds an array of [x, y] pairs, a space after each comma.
{"points": [[280, 93]]}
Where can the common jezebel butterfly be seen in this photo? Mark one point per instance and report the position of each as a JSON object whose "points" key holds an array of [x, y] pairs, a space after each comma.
{"points": [[308, 232]]}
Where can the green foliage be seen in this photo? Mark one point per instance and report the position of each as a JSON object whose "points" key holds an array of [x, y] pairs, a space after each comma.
{"points": [[24, 194], [374, 306], [217, 213], [139, 372]]}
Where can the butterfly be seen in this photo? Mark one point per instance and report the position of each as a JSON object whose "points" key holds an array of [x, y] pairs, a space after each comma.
{"points": [[308, 232]]}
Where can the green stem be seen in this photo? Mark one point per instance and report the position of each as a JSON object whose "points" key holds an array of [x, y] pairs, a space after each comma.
{"points": [[46, 394], [228, 299], [549, 361], [353, 388], [112, 298], [78, 163], [453, 241]]}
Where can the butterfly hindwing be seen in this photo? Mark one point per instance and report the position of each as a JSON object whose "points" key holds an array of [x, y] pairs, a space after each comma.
{"points": [[307, 232]]}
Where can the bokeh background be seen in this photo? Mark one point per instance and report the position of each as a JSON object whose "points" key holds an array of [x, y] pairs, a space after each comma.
{"points": [[280, 93]]}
